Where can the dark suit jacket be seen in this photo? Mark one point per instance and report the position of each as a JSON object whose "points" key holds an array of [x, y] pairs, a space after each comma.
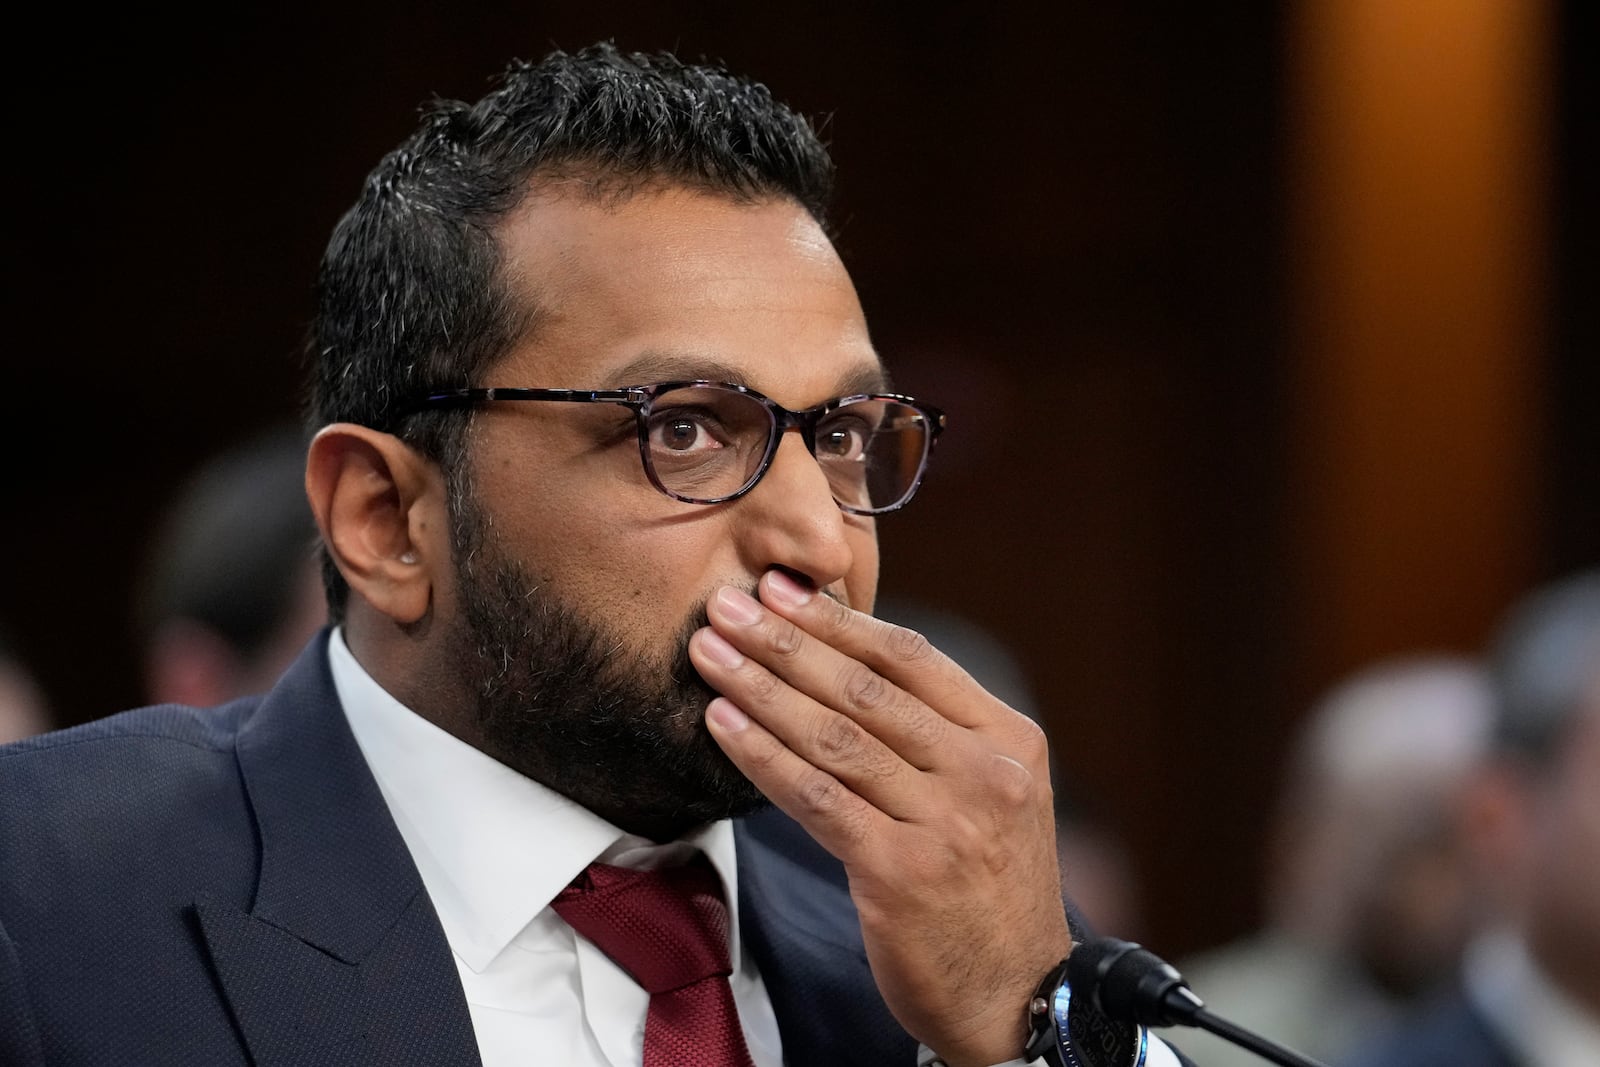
{"points": [[1450, 1032], [226, 886]]}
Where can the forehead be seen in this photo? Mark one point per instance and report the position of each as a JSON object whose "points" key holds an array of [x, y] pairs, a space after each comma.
{"points": [[675, 283]]}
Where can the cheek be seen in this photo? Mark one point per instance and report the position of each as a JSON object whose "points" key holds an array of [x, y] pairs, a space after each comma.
{"points": [[861, 584], [637, 574], [564, 518]]}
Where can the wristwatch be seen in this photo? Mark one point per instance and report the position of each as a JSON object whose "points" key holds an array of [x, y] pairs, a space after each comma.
{"points": [[1068, 1031]]}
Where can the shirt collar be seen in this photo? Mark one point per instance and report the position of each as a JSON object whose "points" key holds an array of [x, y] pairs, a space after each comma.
{"points": [[493, 846]]}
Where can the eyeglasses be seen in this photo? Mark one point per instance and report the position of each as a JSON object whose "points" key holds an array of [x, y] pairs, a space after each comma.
{"points": [[709, 442]]}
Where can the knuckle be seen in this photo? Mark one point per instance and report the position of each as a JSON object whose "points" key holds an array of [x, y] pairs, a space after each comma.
{"points": [[834, 615], [838, 738], [820, 794], [785, 638], [1012, 782], [864, 689], [1032, 741], [765, 687], [911, 647]]}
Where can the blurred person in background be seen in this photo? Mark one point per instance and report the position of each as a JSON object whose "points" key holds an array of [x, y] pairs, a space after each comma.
{"points": [[1098, 874], [231, 589], [24, 711], [1528, 988], [1368, 900]]}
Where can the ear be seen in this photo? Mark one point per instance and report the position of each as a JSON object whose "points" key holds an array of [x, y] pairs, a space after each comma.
{"points": [[380, 507]]}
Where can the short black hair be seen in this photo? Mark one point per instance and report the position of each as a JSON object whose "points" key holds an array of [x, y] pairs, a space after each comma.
{"points": [[409, 292]]}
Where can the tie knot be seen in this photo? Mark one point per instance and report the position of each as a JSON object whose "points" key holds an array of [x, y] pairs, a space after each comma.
{"points": [[668, 928]]}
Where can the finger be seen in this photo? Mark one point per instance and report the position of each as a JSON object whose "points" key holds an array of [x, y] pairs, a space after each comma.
{"points": [[916, 732], [838, 819], [818, 735], [898, 653]]}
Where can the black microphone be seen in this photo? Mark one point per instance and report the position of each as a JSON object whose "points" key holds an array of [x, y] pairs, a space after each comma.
{"points": [[1130, 983]]}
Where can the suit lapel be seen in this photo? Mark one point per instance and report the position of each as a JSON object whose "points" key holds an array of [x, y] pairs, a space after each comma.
{"points": [[341, 959], [341, 956], [796, 915]]}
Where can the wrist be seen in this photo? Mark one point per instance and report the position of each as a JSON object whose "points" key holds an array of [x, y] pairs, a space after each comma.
{"points": [[1068, 1031]]}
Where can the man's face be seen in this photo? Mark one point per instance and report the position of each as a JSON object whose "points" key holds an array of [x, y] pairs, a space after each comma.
{"points": [[1564, 917], [578, 582]]}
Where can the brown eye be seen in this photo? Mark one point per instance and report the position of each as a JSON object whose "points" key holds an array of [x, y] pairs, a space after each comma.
{"points": [[683, 431], [842, 442], [679, 434]]}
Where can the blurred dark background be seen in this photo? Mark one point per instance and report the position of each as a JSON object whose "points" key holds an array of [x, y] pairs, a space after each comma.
{"points": [[1268, 332]]}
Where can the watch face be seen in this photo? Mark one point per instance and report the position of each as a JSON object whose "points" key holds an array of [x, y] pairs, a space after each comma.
{"points": [[1085, 1037]]}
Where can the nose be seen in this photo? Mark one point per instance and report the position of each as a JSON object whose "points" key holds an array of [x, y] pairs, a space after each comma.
{"points": [[791, 520]]}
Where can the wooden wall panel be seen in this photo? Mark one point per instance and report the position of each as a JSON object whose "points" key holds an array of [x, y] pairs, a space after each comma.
{"points": [[1420, 194]]}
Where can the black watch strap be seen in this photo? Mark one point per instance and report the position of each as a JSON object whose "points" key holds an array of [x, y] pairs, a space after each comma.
{"points": [[1068, 1031]]}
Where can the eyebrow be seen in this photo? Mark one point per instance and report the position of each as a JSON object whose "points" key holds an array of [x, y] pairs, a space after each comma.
{"points": [[670, 366]]}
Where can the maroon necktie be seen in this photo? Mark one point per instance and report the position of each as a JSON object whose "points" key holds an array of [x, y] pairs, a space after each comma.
{"points": [[668, 928]]}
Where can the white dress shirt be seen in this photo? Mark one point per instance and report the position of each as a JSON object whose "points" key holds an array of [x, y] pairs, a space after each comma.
{"points": [[494, 848]]}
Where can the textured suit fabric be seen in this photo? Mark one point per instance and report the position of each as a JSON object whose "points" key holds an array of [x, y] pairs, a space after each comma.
{"points": [[1450, 1032], [216, 887], [225, 886]]}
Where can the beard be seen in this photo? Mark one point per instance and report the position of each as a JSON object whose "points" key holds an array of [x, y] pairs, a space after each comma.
{"points": [[571, 706]]}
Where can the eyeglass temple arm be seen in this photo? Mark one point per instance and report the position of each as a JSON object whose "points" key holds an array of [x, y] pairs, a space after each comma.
{"points": [[436, 399]]}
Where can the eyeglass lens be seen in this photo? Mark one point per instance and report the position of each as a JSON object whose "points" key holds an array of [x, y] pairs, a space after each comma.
{"points": [[705, 443]]}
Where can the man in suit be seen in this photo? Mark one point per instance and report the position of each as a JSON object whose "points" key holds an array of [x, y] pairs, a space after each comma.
{"points": [[599, 621], [1528, 989], [1368, 897]]}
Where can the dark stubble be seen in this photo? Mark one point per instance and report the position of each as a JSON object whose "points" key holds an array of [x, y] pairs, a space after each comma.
{"points": [[614, 728]]}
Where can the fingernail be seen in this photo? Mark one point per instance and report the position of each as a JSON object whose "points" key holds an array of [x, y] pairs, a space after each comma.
{"points": [[740, 606], [724, 714], [716, 646], [786, 591]]}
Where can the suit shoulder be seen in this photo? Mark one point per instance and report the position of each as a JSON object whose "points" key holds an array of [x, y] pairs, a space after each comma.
{"points": [[121, 769], [211, 729], [137, 799]]}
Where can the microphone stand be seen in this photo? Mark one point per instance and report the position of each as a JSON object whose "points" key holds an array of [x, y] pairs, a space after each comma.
{"points": [[1270, 1050], [1131, 983]]}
